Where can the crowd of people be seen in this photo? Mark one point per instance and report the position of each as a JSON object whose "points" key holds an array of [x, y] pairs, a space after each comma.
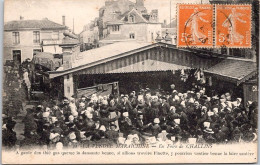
{"points": [[146, 116]]}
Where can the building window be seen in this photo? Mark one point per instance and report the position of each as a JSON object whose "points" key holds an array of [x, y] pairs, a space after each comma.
{"points": [[132, 35], [16, 38], [68, 89], [36, 37], [152, 36], [131, 18], [68, 77], [88, 40], [36, 50], [115, 28], [55, 35]]}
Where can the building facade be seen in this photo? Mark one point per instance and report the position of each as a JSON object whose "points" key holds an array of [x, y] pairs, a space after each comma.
{"points": [[23, 38], [122, 20]]}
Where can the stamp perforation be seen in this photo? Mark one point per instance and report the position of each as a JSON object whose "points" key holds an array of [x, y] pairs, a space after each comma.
{"points": [[178, 18], [215, 27]]}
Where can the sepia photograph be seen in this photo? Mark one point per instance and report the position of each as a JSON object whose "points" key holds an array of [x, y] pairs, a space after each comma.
{"points": [[130, 81]]}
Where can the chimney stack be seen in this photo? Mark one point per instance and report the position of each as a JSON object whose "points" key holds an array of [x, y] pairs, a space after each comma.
{"points": [[63, 20], [21, 18]]}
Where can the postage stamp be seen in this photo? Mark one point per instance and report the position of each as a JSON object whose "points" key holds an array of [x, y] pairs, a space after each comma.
{"points": [[195, 25], [233, 26]]}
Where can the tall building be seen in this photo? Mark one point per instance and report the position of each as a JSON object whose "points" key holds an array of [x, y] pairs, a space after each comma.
{"points": [[123, 20], [23, 38]]}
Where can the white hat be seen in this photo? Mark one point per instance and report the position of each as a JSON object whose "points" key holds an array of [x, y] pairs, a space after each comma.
{"points": [[191, 100], [177, 121], [215, 110], [71, 117], [176, 97], [130, 137], [239, 99], [156, 120], [125, 114], [209, 130], [173, 138], [102, 128], [59, 146], [121, 140], [82, 134], [54, 119], [234, 103], [47, 109], [206, 124], [140, 97], [172, 107], [72, 136], [54, 135], [210, 113], [45, 114], [183, 103]]}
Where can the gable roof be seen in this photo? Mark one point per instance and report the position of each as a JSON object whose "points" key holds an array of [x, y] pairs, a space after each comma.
{"points": [[44, 24], [138, 16]]}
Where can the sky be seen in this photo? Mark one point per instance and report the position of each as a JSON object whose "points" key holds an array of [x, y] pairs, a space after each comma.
{"points": [[83, 11]]}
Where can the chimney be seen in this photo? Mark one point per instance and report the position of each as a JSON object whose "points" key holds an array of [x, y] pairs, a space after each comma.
{"points": [[63, 20], [21, 18]]}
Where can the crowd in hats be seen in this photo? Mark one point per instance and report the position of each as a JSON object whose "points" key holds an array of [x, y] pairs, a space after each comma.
{"points": [[139, 118]]}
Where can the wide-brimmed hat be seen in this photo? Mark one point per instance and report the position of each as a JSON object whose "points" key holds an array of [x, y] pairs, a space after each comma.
{"points": [[209, 130]]}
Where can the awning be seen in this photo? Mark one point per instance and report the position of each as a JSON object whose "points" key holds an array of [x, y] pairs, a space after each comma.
{"points": [[47, 60], [233, 70]]}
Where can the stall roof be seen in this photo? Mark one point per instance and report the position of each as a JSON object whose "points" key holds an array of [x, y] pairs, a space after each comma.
{"points": [[107, 51], [237, 71]]}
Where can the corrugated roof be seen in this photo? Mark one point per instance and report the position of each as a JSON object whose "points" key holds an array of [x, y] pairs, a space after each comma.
{"points": [[237, 70], [33, 24], [149, 65], [94, 55]]}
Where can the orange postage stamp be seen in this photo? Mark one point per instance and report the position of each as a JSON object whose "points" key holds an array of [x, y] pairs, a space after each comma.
{"points": [[233, 26], [195, 25]]}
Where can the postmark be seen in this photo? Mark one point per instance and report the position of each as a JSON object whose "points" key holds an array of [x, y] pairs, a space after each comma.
{"points": [[195, 25], [233, 26]]}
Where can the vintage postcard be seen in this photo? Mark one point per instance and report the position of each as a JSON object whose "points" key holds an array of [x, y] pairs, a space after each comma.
{"points": [[130, 81]]}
